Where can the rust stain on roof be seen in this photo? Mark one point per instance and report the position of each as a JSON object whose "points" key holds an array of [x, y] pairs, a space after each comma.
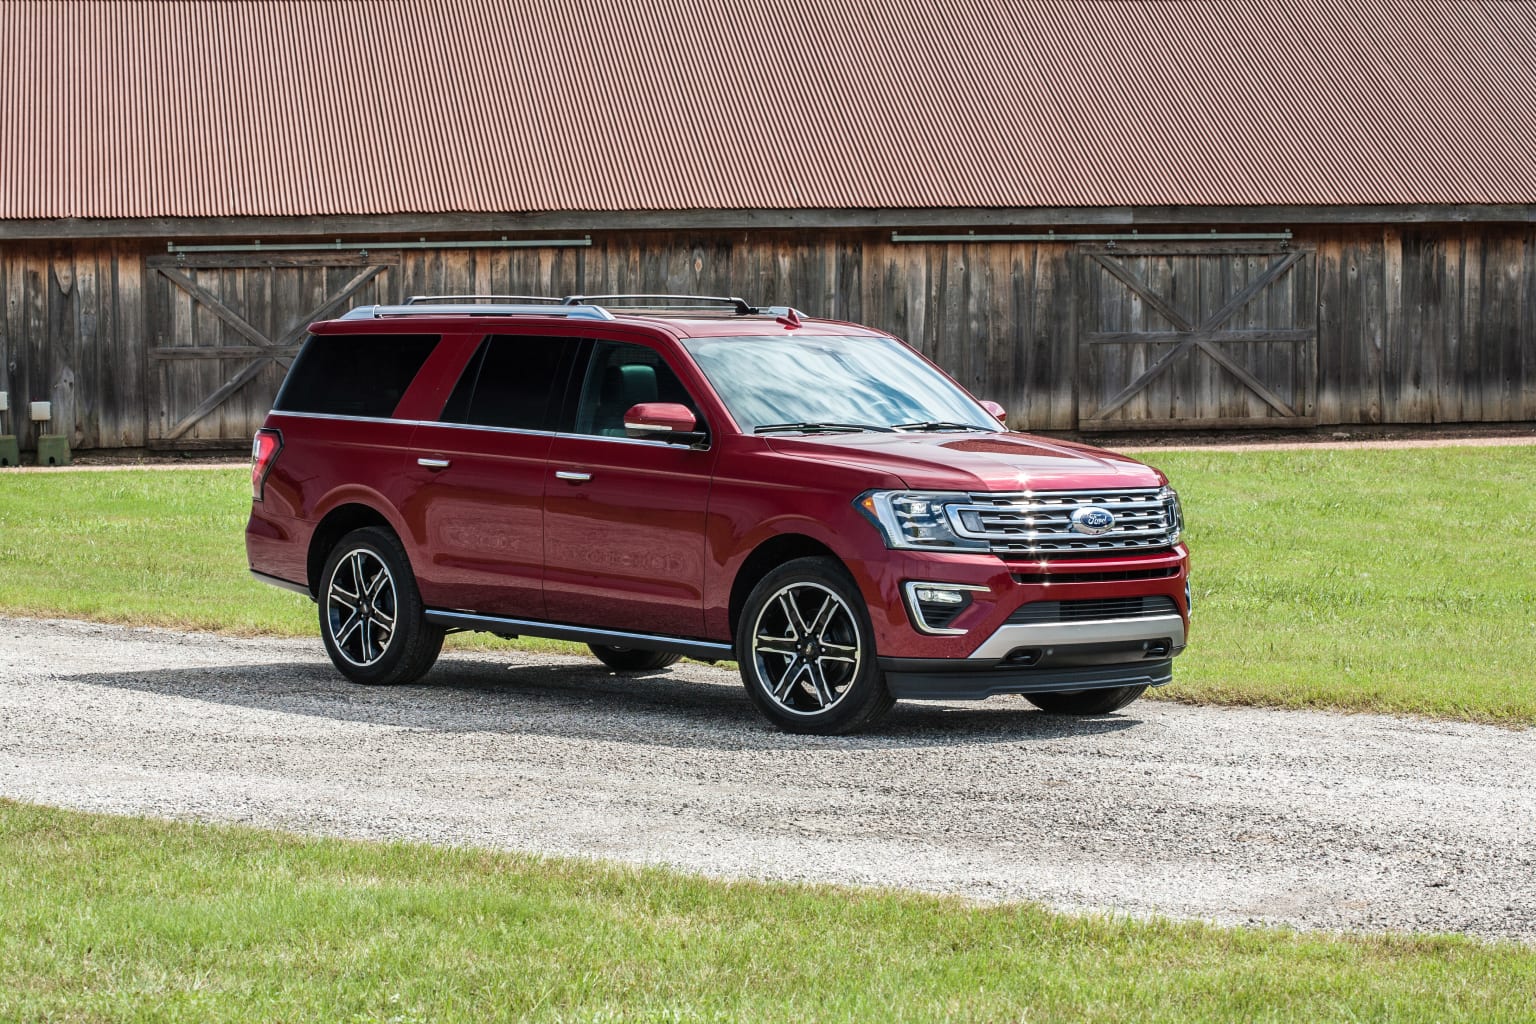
{"points": [[277, 109]]}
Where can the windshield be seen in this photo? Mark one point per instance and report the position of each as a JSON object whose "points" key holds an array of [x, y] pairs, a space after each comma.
{"points": [[813, 382]]}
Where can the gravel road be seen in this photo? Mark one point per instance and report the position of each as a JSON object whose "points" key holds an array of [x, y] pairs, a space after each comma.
{"points": [[1308, 819]]}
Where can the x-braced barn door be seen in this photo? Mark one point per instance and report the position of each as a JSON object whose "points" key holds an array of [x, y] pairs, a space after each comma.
{"points": [[225, 328], [1196, 335]]}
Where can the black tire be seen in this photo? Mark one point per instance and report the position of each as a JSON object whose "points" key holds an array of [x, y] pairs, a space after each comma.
{"points": [[806, 650], [1086, 702], [371, 616], [627, 659]]}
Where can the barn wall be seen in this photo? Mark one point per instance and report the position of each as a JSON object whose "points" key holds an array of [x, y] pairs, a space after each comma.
{"points": [[998, 317], [72, 333], [1427, 325], [1416, 324]]}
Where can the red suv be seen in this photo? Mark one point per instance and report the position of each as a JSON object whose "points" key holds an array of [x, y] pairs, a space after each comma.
{"points": [[696, 476]]}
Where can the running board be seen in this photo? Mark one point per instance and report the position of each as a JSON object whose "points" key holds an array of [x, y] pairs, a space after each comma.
{"points": [[704, 650]]}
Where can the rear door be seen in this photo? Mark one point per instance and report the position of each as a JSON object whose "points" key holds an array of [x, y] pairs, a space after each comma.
{"points": [[624, 518], [479, 477]]}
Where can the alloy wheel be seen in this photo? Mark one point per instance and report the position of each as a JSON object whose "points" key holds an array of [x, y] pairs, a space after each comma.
{"points": [[361, 607], [807, 648]]}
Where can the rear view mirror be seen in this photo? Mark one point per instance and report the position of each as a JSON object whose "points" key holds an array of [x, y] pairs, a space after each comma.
{"points": [[998, 412], [662, 421]]}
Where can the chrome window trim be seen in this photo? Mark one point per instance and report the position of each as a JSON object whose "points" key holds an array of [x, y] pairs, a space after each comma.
{"points": [[487, 429], [351, 419]]}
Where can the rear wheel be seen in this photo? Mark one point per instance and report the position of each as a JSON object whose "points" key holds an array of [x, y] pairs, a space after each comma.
{"points": [[627, 659], [806, 650], [371, 615], [1086, 702]]}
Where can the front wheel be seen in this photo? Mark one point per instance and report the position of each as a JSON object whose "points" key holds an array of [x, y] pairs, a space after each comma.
{"points": [[627, 659], [1086, 702], [371, 615], [807, 653]]}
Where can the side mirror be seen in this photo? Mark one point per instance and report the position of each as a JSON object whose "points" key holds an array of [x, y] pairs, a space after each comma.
{"points": [[662, 421], [998, 412]]}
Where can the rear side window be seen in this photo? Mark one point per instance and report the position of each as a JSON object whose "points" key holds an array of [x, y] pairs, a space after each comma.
{"points": [[514, 382], [353, 374]]}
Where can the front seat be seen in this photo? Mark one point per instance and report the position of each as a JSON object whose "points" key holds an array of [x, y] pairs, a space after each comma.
{"points": [[623, 387]]}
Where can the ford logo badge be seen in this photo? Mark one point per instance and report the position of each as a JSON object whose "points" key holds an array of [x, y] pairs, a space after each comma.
{"points": [[1092, 520]]}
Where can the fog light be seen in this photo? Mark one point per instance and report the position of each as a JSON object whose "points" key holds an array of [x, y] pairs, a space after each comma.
{"points": [[934, 606]]}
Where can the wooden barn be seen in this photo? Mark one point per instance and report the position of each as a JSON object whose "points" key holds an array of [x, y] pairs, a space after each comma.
{"points": [[1188, 214]]}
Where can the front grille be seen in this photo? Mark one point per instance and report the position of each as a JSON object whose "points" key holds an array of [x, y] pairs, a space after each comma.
{"points": [[1041, 525], [1094, 609]]}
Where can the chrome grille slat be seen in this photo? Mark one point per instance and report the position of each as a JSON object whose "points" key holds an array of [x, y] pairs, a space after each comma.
{"points": [[1040, 524]]}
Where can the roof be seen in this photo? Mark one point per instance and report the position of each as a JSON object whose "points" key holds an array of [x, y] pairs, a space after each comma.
{"points": [[137, 110]]}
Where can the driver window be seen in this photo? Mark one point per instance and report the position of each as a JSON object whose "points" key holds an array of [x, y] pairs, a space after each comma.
{"points": [[622, 375]]}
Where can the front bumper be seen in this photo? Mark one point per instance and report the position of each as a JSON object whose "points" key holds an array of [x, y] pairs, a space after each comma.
{"points": [[1046, 658], [922, 679], [988, 649]]}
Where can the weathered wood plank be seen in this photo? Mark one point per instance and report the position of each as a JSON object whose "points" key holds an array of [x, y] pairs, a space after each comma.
{"points": [[35, 386], [91, 419], [1215, 423], [10, 332], [1297, 334], [1135, 284], [220, 261], [1330, 326], [1526, 327]]}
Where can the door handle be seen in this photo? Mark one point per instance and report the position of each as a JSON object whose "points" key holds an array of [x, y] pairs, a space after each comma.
{"points": [[573, 476], [434, 463]]}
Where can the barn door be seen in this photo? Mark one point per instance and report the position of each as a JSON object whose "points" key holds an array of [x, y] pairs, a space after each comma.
{"points": [[1196, 335], [224, 329]]}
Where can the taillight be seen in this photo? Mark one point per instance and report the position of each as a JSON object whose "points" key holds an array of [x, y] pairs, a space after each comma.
{"points": [[264, 451]]}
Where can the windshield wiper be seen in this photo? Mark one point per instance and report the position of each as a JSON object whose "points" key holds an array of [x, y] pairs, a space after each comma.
{"points": [[937, 425], [818, 428]]}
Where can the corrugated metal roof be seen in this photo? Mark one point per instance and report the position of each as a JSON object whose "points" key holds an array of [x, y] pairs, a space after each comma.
{"points": [[275, 109]]}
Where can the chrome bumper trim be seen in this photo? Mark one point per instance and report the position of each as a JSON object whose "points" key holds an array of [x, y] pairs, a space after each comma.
{"points": [[1010, 637]]}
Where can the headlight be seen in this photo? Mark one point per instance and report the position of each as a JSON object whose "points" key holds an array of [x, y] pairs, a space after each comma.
{"points": [[1174, 512], [917, 520]]}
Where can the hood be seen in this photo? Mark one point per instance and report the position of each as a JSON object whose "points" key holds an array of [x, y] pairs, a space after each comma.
{"points": [[974, 462]]}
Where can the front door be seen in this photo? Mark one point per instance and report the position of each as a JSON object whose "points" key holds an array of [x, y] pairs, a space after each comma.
{"points": [[624, 518]]}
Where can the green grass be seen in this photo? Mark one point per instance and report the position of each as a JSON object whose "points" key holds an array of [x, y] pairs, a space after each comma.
{"points": [[1399, 580], [149, 547], [1384, 580], [125, 919]]}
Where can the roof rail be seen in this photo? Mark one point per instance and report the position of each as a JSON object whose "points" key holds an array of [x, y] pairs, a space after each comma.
{"points": [[579, 307], [417, 299], [741, 306], [572, 312]]}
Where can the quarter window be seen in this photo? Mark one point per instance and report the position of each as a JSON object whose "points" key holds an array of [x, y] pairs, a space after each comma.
{"points": [[354, 374]]}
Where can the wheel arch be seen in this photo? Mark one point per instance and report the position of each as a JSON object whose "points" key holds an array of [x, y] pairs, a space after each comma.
{"points": [[336, 524], [768, 556]]}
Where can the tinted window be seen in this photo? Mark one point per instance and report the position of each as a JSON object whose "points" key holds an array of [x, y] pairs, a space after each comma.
{"points": [[622, 375], [353, 374], [513, 381]]}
